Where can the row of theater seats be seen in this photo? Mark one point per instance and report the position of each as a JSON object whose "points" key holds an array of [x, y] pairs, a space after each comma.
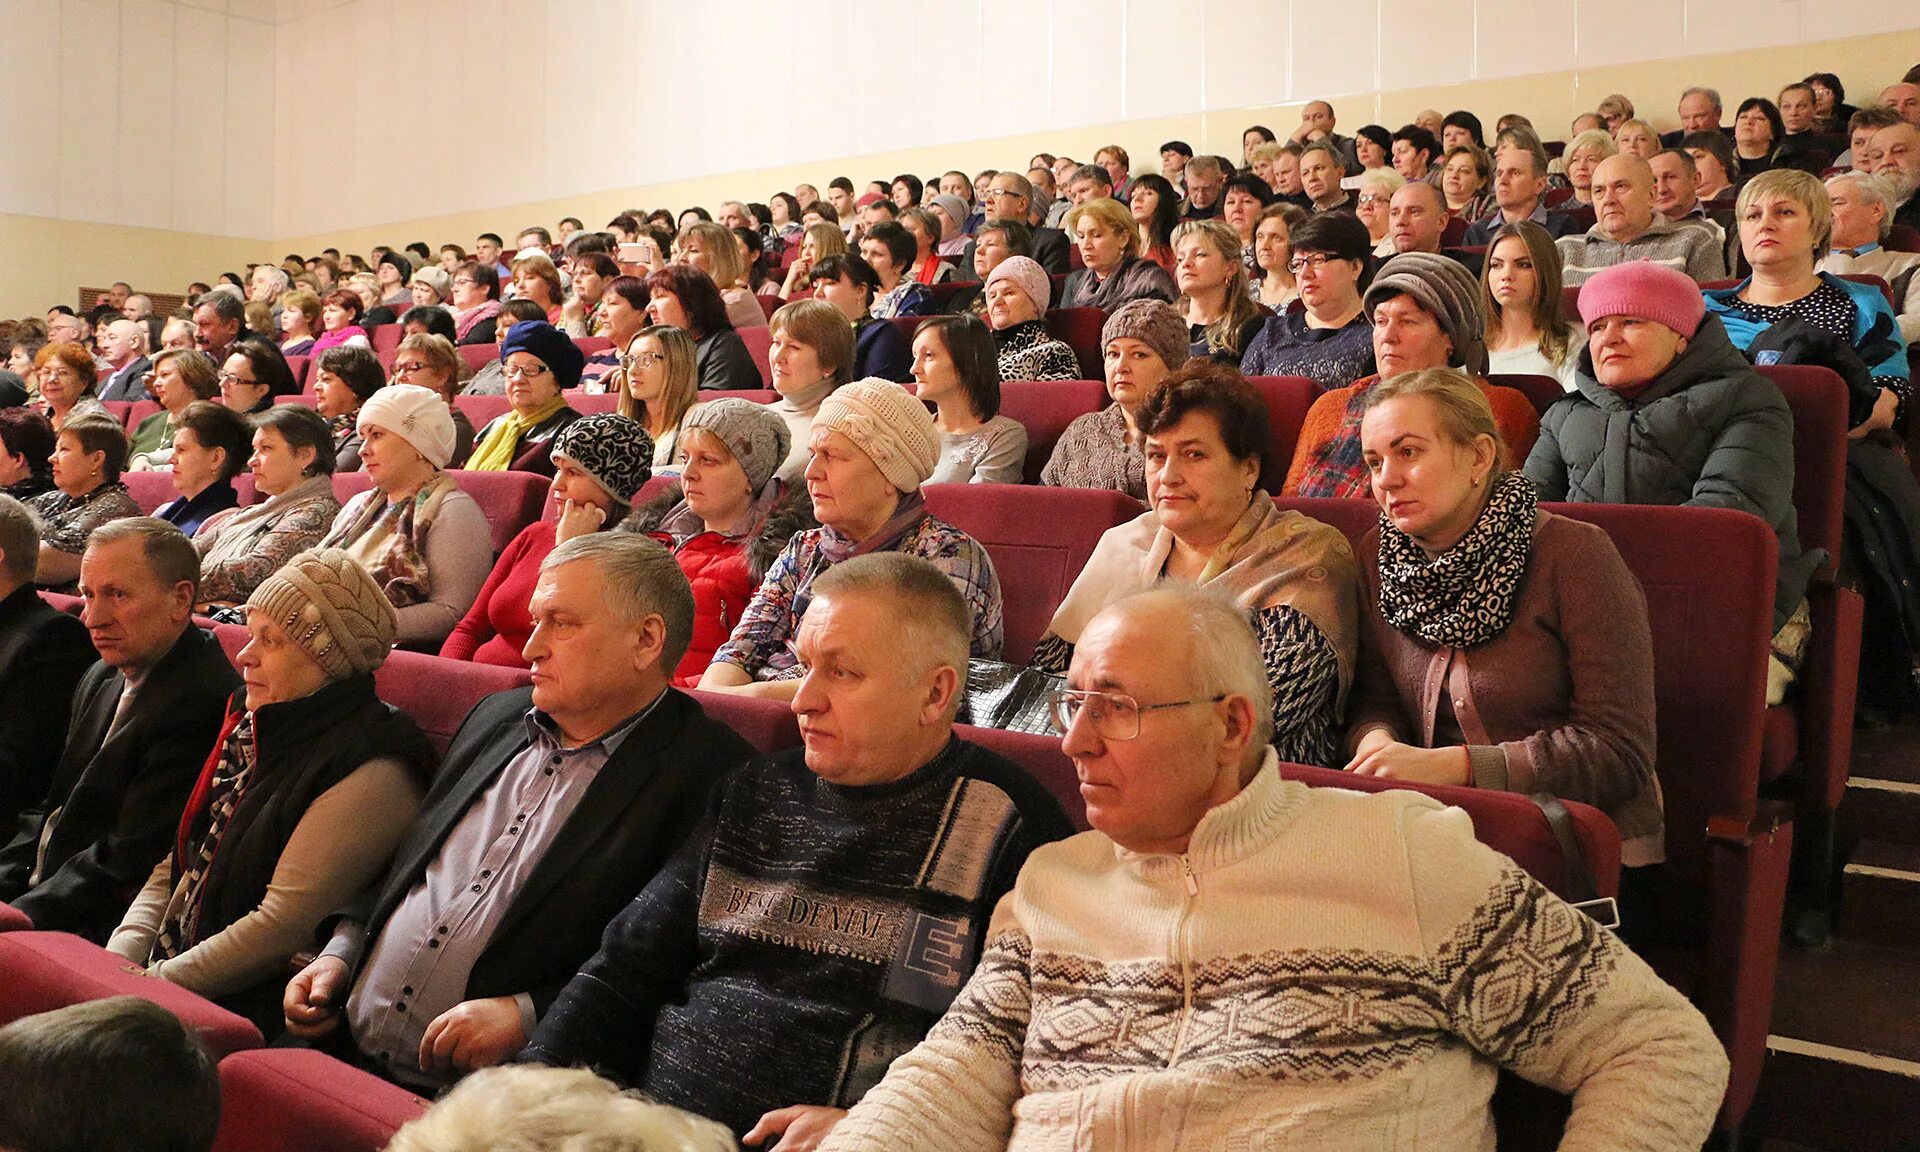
{"points": [[1708, 577]]}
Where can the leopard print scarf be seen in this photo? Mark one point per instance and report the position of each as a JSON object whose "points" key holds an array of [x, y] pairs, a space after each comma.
{"points": [[1465, 595]]}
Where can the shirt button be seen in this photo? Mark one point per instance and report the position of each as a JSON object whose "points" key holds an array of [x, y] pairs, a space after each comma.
{"points": [[401, 1007], [443, 930], [476, 887], [486, 873], [407, 991], [433, 943]]}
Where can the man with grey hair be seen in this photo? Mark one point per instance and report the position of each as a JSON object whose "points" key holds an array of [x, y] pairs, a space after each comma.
{"points": [[1231, 952], [838, 895], [143, 719], [1519, 183], [267, 282], [1089, 182], [1896, 158], [42, 654], [1700, 111], [1010, 196], [219, 322], [1862, 218], [1205, 183], [1627, 227], [124, 348], [555, 804]]}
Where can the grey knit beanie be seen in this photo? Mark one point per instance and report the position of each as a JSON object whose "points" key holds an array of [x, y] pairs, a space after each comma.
{"points": [[756, 435], [1153, 323], [331, 609], [1442, 286]]}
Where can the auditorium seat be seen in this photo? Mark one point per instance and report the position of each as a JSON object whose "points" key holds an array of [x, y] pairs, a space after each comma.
{"points": [[1288, 398], [386, 341], [140, 410], [759, 342], [1045, 408], [13, 920], [907, 326], [478, 356], [304, 399], [1903, 238], [591, 346], [300, 1100], [152, 489], [946, 291], [1708, 576], [41, 971], [481, 409], [1043, 759], [768, 725], [301, 367], [1455, 232], [769, 304], [118, 409], [511, 500], [588, 403], [1079, 329], [1039, 539], [1543, 391]]}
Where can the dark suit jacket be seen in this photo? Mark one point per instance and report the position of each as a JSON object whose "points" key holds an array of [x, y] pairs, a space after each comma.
{"points": [[634, 815], [43, 653], [1050, 249], [125, 384], [120, 799]]}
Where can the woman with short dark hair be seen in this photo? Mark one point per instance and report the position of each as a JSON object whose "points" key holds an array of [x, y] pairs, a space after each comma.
{"points": [[344, 378], [956, 365], [687, 298], [1327, 340], [849, 284], [88, 453], [292, 466], [476, 302], [209, 450], [26, 442]]}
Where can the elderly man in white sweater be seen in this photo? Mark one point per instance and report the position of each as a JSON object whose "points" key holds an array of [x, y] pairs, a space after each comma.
{"points": [[1230, 954]]}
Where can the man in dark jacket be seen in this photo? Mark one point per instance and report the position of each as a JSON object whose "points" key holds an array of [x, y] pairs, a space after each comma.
{"points": [[144, 719], [554, 806], [1010, 197], [836, 898], [42, 656]]}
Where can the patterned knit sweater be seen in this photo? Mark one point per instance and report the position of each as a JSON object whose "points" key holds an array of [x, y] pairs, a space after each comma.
{"points": [[1322, 969]]}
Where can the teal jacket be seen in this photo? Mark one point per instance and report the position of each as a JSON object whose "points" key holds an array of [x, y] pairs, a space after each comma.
{"points": [[1876, 331]]}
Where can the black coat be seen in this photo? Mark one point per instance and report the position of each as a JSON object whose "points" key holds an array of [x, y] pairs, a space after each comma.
{"points": [[633, 817], [128, 386], [120, 799], [43, 653]]}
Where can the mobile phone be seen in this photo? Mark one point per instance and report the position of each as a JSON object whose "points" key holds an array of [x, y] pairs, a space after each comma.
{"points": [[636, 253]]}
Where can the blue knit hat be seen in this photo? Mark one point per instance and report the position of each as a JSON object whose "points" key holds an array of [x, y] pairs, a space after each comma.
{"points": [[550, 346]]}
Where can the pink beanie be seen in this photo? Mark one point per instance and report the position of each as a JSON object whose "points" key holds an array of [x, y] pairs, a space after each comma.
{"points": [[1028, 276], [1647, 290]]}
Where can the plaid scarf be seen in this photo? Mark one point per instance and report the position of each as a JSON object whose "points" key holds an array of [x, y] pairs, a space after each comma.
{"points": [[1336, 468], [219, 793]]}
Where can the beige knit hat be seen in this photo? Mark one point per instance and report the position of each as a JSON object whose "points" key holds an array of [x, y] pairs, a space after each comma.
{"points": [[889, 424], [332, 609], [419, 416]]}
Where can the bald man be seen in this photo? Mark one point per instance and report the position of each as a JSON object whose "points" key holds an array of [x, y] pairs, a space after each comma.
{"points": [[1628, 227], [124, 347]]}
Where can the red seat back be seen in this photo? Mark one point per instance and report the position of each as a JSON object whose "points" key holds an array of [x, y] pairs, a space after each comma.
{"points": [[1543, 391], [304, 399], [1454, 233], [759, 342], [1039, 539], [149, 489], [386, 341], [478, 356], [1556, 196], [769, 304], [140, 411], [118, 409], [1570, 304], [301, 366], [1288, 398], [41, 971], [590, 402], [438, 693], [1045, 408], [1903, 238], [1079, 329], [907, 326], [302, 1100], [1043, 759], [946, 291], [1818, 398], [14, 920], [768, 725], [481, 410], [591, 346]]}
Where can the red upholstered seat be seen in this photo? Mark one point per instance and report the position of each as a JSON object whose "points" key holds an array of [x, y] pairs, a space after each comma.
{"points": [[1454, 232], [438, 693], [592, 345], [481, 409], [946, 291], [1045, 408], [759, 342], [301, 367], [304, 399], [386, 340], [1039, 539], [299, 1100], [1079, 329], [140, 411], [149, 489], [1903, 238], [768, 725], [1570, 303], [478, 356], [41, 971], [589, 402], [769, 304], [1543, 391], [13, 920], [1288, 398], [907, 326], [511, 500]]}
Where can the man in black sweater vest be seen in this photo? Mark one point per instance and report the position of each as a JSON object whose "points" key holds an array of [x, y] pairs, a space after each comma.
{"points": [[835, 900]]}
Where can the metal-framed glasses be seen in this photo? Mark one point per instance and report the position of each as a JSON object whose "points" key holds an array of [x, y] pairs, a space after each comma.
{"points": [[641, 360], [1114, 715], [523, 371]]}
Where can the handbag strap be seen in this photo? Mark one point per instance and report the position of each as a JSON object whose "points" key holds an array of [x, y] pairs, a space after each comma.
{"points": [[1582, 892]]}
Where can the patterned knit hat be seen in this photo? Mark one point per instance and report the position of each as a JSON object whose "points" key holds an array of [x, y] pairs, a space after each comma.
{"points": [[756, 435], [889, 424], [1028, 276], [419, 416], [613, 449], [1153, 323], [331, 609], [1442, 286], [550, 346], [1647, 290]]}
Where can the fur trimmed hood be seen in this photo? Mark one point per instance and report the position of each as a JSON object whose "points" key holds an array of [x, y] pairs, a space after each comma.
{"points": [[792, 512]]}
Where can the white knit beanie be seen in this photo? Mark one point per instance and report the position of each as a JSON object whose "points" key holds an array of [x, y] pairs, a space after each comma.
{"points": [[889, 424], [419, 416]]}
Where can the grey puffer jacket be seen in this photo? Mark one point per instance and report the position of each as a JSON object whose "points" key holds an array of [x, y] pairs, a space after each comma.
{"points": [[1710, 432]]}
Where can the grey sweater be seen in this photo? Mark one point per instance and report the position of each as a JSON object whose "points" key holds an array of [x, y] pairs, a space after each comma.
{"points": [[1690, 247]]}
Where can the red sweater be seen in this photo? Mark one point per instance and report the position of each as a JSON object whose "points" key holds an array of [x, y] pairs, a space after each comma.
{"points": [[498, 625]]}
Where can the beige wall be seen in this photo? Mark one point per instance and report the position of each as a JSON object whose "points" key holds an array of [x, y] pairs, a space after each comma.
{"points": [[44, 262]]}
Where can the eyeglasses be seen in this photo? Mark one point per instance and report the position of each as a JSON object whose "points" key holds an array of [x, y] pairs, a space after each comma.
{"points": [[227, 378], [1114, 715], [408, 367], [1316, 261], [465, 280], [523, 372], [1001, 192], [642, 360], [1369, 199]]}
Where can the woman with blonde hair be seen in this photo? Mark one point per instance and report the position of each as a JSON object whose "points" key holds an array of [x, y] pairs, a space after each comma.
{"points": [[178, 378], [1527, 332], [713, 249], [660, 385], [1584, 153], [1614, 111], [1372, 198], [1109, 241], [299, 322], [1215, 295], [536, 279], [1637, 138], [1466, 180], [817, 242]]}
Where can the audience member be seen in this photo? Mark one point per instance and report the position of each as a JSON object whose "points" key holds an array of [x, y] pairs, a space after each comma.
{"points": [[253, 374], [115, 1075], [1414, 151], [1700, 110], [43, 653], [531, 1109], [686, 298], [925, 267], [1904, 97], [1240, 203], [956, 369], [817, 242], [872, 445], [1372, 198], [879, 789], [657, 387], [209, 450], [1526, 332], [850, 285], [491, 379], [713, 250], [1708, 430], [1204, 180], [1373, 148], [1154, 205], [292, 466], [1205, 432], [1862, 218], [515, 866], [1425, 313], [87, 458], [1466, 179], [1273, 253], [540, 362], [66, 374], [1519, 185], [727, 520], [1714, 163], [536, 279], [812, 354], [1757, 133], [1017, 293], [1896, 153], [1166, 721], [1141, 344], [1321, 175], [1010, 197], [889, 250], [178, 378], [1584, 153], [1637, 138], [125, 351], [340, 315], [1627, 228], [1860, 133], [143, 719], [219, 322], [1461, 129], [1215, 296], [1417, 222], [1327, 339], [424, 541], [1532, 621], [1115, 272], [26, 453], [300, 322], [344, 378]]}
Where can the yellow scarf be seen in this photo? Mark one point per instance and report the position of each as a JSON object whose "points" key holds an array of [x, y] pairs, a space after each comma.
{"points": [[494, 452]]}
